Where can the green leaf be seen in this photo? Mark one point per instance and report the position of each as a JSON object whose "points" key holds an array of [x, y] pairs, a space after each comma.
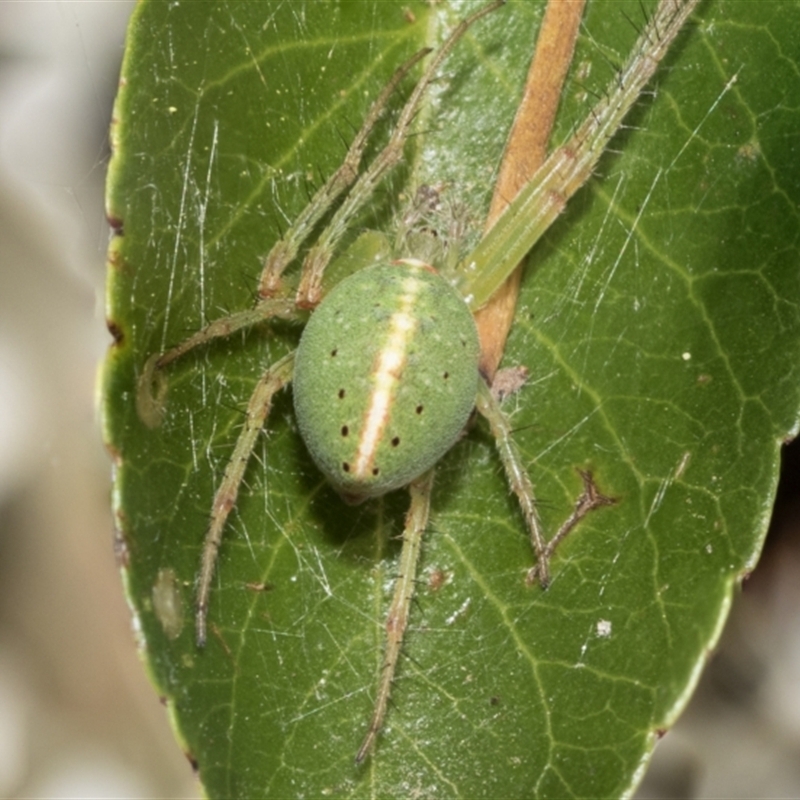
{"points": [[660, 323]]}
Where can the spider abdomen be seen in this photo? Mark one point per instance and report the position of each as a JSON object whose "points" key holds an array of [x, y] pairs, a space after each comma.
{"points": [[385, 377]]}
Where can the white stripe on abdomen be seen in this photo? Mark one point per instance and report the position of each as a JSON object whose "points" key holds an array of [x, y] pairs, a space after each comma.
{"points": [[387, 372]]}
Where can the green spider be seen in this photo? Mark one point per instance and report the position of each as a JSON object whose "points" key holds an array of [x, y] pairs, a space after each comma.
{"points": [[387, 371]]}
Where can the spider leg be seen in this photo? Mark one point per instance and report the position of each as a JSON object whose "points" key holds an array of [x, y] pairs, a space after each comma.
{"points": [[569, 166], [152, 388], [590, 498], [517, 475], [258, 407], [310, 288], [286, 248], [397, 619], [225, 326]]}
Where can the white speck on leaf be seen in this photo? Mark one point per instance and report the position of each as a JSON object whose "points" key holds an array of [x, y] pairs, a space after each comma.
{"points": [[603, 628], [460, 612]]}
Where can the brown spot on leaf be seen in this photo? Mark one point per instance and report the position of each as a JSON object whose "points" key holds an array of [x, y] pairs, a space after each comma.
{"points": [[115, 331], [116, 224]]}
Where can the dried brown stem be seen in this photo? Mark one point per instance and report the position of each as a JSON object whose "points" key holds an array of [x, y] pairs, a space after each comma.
{"points": [[525, 152]]}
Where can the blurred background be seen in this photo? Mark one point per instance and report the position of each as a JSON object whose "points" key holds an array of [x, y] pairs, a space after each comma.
{"points": [[78, 717]]}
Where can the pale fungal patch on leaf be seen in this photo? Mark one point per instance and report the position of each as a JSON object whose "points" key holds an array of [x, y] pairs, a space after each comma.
{"points": [[168, 602], [151, 393], [751, 151]]}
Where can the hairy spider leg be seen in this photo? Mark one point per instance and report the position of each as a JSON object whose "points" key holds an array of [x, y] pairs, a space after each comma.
{"points": [[284, 250], [317, 258], [516, 475], [225, 326], [280, 255], [152, 392], [415, 524], [220, 328], [152, 387], [258, 408], [568, 167], [519, 481]]}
